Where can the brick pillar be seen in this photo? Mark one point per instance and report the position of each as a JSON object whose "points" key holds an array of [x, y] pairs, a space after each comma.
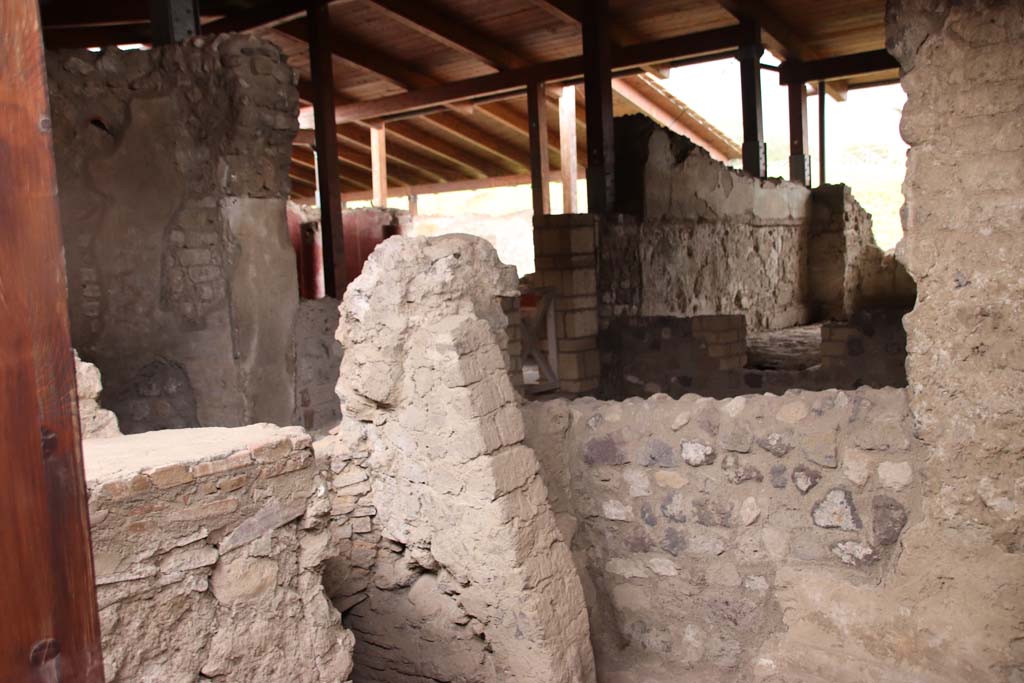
{"points": [[565, 249], [514, 351]]}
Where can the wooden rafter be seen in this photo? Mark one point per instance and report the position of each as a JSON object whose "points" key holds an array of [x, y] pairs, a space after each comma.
{"points": [[451, 31], [710, 42]]}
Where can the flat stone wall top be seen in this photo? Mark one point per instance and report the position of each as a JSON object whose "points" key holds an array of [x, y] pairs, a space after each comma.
{"points": [[209, 547], [196, 452]]}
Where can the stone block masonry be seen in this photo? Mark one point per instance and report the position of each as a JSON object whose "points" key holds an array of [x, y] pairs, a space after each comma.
{"points": [[735, 540], [472, 581], [173, 173], [566, 261], [209, 545]]}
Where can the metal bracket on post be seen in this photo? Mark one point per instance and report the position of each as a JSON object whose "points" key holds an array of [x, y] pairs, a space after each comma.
{"points": [[173, 21]]}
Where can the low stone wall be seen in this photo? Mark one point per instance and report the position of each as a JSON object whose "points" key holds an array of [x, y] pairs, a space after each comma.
{"points": [[733, 540], [209, 546]]}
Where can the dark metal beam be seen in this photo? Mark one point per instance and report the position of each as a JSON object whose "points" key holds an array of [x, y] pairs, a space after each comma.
{"points": [[755, 157], [799, 159], [597, 84], [821, 133], [173, 21], [836, 67], [321, 65]]}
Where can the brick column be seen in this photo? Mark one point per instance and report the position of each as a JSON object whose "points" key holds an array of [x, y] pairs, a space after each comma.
{"points": [[565, 248]]}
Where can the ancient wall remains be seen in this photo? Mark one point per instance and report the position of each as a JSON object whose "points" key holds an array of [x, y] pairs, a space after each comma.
{"points": [[173, 169], [847, 272], [472, 580], [317, 362], [209, 545], [736, 540], [963, 71], [710, 239]]}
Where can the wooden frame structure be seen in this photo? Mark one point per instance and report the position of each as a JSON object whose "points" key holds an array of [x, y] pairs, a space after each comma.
{"points": [[50, 629]]}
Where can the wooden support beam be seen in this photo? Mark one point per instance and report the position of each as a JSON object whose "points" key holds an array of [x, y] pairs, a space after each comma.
{"points": [[783, 41], [704, 43], [539, 169], [567, 145], [379, 160], [470, 164], [173, 21], [597, 84], [755, 161], [75, 37], [799, 160], [50, 630], [321, 65], [836, 67], [435, 22], [821, 133]]}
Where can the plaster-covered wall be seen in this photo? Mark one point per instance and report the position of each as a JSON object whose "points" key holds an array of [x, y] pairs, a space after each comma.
{"points": [[710, 239], [963, 71], [173, 173], [710, 532]]}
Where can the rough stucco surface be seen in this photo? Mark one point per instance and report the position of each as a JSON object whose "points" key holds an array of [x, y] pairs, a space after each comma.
{"points": [[963, 71], [713, 532], [209, 546], [714, 240], [317, 362], [94, 421], [172, 165], [476, 583]]}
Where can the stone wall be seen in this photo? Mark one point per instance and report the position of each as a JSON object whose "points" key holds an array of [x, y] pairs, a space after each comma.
{"points": [[709, 239], [209, 546], [565, 246], [93, 421], [173, 169], [847, 271], [963, 71], [712, 533], [317, 362], [471, 581]]}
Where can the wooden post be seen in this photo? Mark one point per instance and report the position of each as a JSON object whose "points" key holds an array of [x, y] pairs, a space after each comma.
{"points": [[378, 165], [597, 86], [755, 157], [821, 132], [414, 204], [539, 169], [173, 21], [567, 147], [799, 160], [50, 629], [328, 173]]}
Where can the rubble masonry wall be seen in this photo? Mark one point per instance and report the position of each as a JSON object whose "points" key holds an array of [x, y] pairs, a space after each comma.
{"points": [[709, 532], [209, 545], [173, 173]]}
